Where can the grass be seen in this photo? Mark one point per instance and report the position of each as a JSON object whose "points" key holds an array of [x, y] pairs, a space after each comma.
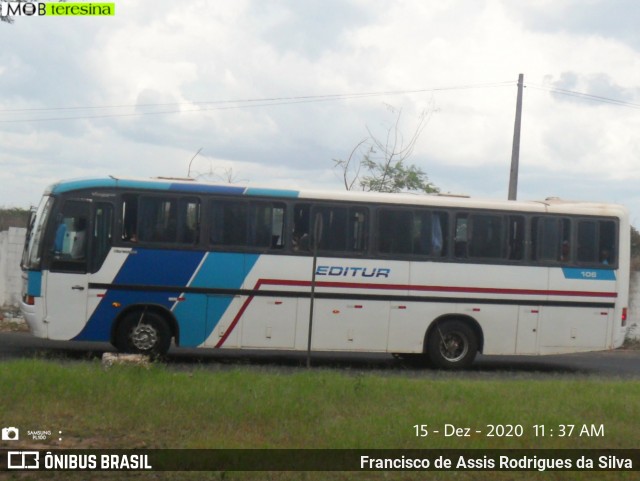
{"points": [[133, 407]]}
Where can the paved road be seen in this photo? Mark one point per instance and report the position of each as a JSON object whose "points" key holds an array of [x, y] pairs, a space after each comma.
{"points": [[619, 363]]}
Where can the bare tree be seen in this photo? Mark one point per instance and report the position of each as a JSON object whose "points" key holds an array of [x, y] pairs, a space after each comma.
{"points": [[227, 175], [217, 174], [350, 168], [380, 163]]}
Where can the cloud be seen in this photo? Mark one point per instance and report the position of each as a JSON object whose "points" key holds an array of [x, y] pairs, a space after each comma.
{"points": [[598, 87], [162, 79], [611, 19], [312, 28]]}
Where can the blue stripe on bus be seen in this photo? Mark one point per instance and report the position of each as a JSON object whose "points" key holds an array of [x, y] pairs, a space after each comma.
{"points": [[255, 191], [144, 267], [219, 270], [109, 182], [82, 184], [71, 185], [589, 274], [208, 189], [157, 267]]}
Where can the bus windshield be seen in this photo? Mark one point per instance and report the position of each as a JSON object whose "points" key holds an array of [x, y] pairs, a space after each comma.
{"points": [[35, 234]]}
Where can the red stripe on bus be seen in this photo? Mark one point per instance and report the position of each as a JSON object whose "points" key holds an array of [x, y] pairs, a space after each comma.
{"points": [[407, 287], [400, 287]]}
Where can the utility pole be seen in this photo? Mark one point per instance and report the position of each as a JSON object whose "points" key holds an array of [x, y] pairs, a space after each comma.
{"points": [[515, 151]]}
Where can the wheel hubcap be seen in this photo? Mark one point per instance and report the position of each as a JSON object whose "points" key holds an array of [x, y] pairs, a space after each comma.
{"points": [[144, 337], [454, 346]]}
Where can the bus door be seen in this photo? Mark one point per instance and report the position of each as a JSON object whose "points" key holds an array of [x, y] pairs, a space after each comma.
{"points": [[67, 277]]}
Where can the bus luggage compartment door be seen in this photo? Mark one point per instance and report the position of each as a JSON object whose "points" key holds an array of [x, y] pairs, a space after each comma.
{"points": [[527, 336], [269, 322]]}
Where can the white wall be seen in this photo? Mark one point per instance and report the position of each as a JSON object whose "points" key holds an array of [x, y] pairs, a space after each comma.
{"points": [[634, 305], [11, 245]]}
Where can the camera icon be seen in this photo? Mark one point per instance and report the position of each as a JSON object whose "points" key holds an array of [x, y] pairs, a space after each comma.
{"points": [[10, 434]]}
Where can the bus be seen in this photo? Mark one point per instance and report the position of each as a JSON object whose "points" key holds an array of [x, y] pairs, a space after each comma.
{"points": [[147, 263]]}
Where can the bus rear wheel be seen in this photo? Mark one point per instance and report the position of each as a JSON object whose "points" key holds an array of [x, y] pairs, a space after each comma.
{"points": [[143, 332], [452, 345]]}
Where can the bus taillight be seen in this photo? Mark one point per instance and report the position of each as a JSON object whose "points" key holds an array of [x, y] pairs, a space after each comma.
{"points": [[624, 316]]}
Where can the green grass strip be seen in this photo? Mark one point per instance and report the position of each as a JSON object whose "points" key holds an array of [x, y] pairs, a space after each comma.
{"points": [[248, 407]]}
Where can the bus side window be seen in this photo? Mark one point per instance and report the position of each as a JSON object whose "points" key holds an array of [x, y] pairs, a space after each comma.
{"points": [[551, 237], [277, 226], [266, 225], [229, 223], [587, 247], [461, 238], [423, 239], [516, 237], [395, 231], [607, 242], [420, 232], [596, 241], [163, 220], [129, 218], [188, 221], [301, 228], [158, 220], [487, 236], [358, 234], [439, 234], [334, 228]]}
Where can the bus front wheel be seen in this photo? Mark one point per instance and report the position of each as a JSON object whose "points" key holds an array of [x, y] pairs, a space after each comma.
{"points": [[143, 332], [452, 345]]}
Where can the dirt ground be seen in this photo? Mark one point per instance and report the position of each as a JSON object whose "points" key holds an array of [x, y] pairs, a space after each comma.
{"points": [[11, 321]]}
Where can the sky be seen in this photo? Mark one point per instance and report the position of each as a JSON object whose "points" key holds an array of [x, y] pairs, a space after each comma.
{"points": [[269, 92]]}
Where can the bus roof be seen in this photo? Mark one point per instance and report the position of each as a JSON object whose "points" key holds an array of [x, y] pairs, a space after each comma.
{"points": [[551, 205]]}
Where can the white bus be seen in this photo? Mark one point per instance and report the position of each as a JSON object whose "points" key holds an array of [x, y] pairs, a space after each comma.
{"points": [[142, 263]]}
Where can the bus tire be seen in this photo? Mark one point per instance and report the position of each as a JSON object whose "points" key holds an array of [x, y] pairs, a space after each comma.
{"points": [[452, 345], [144, 332]]}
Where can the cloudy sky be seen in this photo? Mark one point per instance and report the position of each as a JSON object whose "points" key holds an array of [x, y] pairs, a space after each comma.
{"points": [[272, 90]]}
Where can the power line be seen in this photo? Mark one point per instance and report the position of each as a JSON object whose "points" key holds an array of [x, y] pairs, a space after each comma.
{"points": [[213, 105], [273, 99], [585, 96], [218, 105]]}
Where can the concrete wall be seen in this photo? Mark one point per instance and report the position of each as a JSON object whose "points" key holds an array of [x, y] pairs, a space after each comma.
{"points": [[11, 245]]}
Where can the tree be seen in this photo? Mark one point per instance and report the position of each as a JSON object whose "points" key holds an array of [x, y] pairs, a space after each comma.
{"points": [[13, 217], [635, 249], [380, 164]]}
